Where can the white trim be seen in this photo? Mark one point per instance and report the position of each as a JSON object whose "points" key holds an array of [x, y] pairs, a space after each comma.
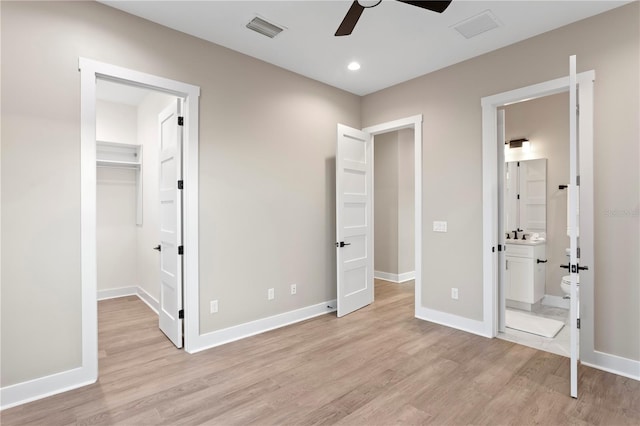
{"points": [[151, 301], [142, 294], [42, 387], [615, 364], [237, 332], [395, 278], [113, 293], [451, 320], [555, 301], [414, 122]]}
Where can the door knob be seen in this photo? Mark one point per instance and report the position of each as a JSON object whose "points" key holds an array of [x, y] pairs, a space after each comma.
{"points": [[158, 247], [342, 244], [564, 266], [541, 261]]}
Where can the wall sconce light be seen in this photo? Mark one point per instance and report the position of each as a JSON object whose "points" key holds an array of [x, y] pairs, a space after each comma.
{"points": [[519, 143]]}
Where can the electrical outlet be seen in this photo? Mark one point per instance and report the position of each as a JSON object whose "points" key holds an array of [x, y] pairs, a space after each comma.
{"points": [[454, 293], [214, 306], [271, 294], [294, 289]]}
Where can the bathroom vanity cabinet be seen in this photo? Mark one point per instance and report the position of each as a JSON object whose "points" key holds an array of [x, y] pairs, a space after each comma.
{"points": [[525, 273]]}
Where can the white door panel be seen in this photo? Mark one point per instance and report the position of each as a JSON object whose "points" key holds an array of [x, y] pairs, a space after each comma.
{"points": [[573, 224], [170, 223], [354, 219]]}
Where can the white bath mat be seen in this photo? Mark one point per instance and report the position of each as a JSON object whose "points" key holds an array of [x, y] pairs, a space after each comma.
{"points": [[528, 323]]}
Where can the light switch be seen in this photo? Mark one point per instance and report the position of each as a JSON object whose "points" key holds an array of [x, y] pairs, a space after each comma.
{"points": [[439, 226]]}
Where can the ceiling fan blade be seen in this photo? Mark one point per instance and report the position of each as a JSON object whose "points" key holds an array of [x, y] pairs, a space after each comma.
{"points": [[434, 6], [350, 20]]}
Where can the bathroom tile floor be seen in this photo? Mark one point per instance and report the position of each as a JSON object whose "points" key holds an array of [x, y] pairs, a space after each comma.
{"points": [[558, 345]]}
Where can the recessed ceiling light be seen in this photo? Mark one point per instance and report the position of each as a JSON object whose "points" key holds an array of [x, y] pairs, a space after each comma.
{"points": [[354, 66]]}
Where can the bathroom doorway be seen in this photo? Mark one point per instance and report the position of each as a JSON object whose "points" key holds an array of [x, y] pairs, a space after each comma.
{"points": [[534, 222], [580, 86]]}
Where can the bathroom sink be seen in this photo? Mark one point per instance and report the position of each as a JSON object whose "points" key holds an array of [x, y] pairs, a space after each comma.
{"points": [[525, 242]]}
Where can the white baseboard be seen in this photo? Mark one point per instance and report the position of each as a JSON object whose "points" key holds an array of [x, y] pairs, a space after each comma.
{"points": [[42, 387], [395, 278], [151, 301], [614, 364], [231, 334], [142, 294], [112, 293], [555, 301], [453, 321]]}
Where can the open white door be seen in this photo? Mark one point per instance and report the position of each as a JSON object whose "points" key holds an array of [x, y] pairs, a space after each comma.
{"points": [[354, 219], [574, 268], [170, 315], [502, 218]]}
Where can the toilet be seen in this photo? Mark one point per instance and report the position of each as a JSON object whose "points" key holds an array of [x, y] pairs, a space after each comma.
{"points": [[566, 285]]}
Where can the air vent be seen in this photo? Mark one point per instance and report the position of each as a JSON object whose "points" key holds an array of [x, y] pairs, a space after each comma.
{"points": [[478, 24], [263, 27]]}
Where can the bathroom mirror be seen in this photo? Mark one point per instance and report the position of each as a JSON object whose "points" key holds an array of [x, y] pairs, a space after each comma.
{"points": [[525, 196]]}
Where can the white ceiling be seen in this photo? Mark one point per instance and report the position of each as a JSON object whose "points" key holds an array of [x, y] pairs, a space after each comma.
{"points": [[393, 41]]}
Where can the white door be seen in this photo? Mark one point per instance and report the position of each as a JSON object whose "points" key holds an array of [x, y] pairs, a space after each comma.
{"points": [[171, 223], [354, 219], [572, 224], [503, 199]]}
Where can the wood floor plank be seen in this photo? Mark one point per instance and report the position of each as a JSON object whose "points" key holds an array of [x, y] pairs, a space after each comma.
{"points": [[376, 366]]}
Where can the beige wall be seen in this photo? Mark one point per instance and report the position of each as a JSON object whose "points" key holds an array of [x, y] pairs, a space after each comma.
{"points": [[394, 206], [116, 202], [545, 122], [267, 175], [385, 197], [406, 201], [452, 163]]}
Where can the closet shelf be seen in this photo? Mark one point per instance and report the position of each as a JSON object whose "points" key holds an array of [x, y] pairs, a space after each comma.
{"points": [[119, 164], [117, 155]]}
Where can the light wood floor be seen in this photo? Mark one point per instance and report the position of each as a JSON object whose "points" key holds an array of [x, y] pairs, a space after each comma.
{"points": [[377, 366]]}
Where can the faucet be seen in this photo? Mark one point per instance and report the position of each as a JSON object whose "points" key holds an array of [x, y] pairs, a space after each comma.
{"points": [[515, 234]]}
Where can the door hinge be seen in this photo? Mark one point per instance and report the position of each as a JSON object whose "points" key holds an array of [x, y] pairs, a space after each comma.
{"points": [[578, 254], [181, 314], [493, 249], [578, 180], [578, 324], [180, 184], [180, 121], [180, 249], [518, 196]]}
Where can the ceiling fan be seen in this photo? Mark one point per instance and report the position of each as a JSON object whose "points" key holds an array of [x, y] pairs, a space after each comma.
{"points": [[357, 7]]}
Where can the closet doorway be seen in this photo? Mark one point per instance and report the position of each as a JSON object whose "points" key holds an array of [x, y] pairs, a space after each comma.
{"points": [[178, 172], [135, 127]]}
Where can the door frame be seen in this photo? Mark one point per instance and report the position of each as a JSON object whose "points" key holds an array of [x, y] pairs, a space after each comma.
{"points": [[415, 123], [90, 71], [492, 235]]}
